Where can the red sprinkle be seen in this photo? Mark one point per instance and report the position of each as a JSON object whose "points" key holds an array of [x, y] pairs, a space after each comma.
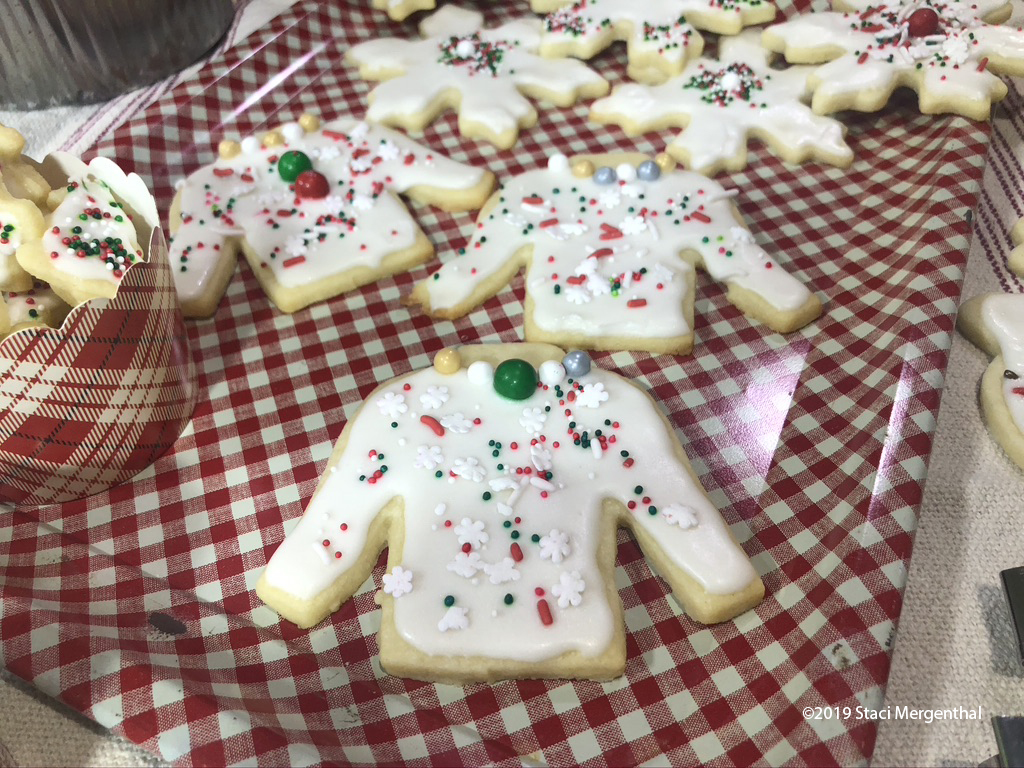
{"points": [[223, 173], [608, 232], [636, 303], [294, 261], [434, 424], [517, 552], [545, 613], [600, 253], [533, 200], [549, 223], [701, 217]]}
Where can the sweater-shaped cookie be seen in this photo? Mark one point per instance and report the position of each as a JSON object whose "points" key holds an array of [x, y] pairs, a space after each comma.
{"points": [[485, 74], [610, 251], [995, 323], [660, 35], [314, 209], [943, 50], [497, 479], [722, 104]]}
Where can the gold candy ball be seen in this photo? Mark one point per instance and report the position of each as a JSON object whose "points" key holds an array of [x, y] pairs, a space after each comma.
{"points": [[228, 149], [273, 139], [665, 161], [582, 169], [447, 361], [309, 122]]}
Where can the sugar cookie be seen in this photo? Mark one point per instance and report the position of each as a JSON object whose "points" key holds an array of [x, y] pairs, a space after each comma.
{"points": [[400, 10], [1016, 259], [497, 489], [88, 241], [660, 35], [484, 74], [941, 50], [722, 104], [36, 307], [20, 220], [315, 212], [995, 323], [610, 257]]}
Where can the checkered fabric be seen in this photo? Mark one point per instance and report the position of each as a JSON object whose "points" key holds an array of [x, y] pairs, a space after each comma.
{"points": [[136, 606], [91, 405]]}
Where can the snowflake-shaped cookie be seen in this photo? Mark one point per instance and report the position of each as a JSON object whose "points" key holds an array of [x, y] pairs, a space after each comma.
{"points": [[660, 35], [942, 50], [485, 74], [722, 104]]}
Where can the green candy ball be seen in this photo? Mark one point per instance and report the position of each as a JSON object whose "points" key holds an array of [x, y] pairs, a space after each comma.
{"points": [[292, 163], [515, 379]]}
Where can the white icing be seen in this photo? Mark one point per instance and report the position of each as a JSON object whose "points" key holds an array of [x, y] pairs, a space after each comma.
{"points": [[307, 240], [881, 53], [610, 295], [92, 253], [486, 67], [1003, 316], [721, 104], [456, 541], [32, 306]]}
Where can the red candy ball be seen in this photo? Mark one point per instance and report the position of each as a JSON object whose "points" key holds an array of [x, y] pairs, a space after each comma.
{"points": [[312, 185], [923, 22]]}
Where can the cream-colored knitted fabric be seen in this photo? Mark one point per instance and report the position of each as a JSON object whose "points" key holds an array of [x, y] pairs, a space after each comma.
{"points": [[955, 645]]}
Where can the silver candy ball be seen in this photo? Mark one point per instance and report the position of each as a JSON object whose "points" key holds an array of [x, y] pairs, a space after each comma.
{"points": [[605, 175], [576, 363], [648, 171]]}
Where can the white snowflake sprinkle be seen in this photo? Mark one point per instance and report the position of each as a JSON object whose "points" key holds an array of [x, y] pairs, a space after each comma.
{"points": [[392, 405], [503, 571], [554, 546], [454, 618], [469, 468], [574, 228], [330, 152], [398, 582], [541, 457], [457, 423], [610, 199], [434, 397], [362, 202], [295, 245], [677, 514], [569, 589], [471, 532], [740, 235], [576, 294], [500, 484], [633, 225], [466, 564], [388, 150], [592, 395], [533, 419], [428, 457]]}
